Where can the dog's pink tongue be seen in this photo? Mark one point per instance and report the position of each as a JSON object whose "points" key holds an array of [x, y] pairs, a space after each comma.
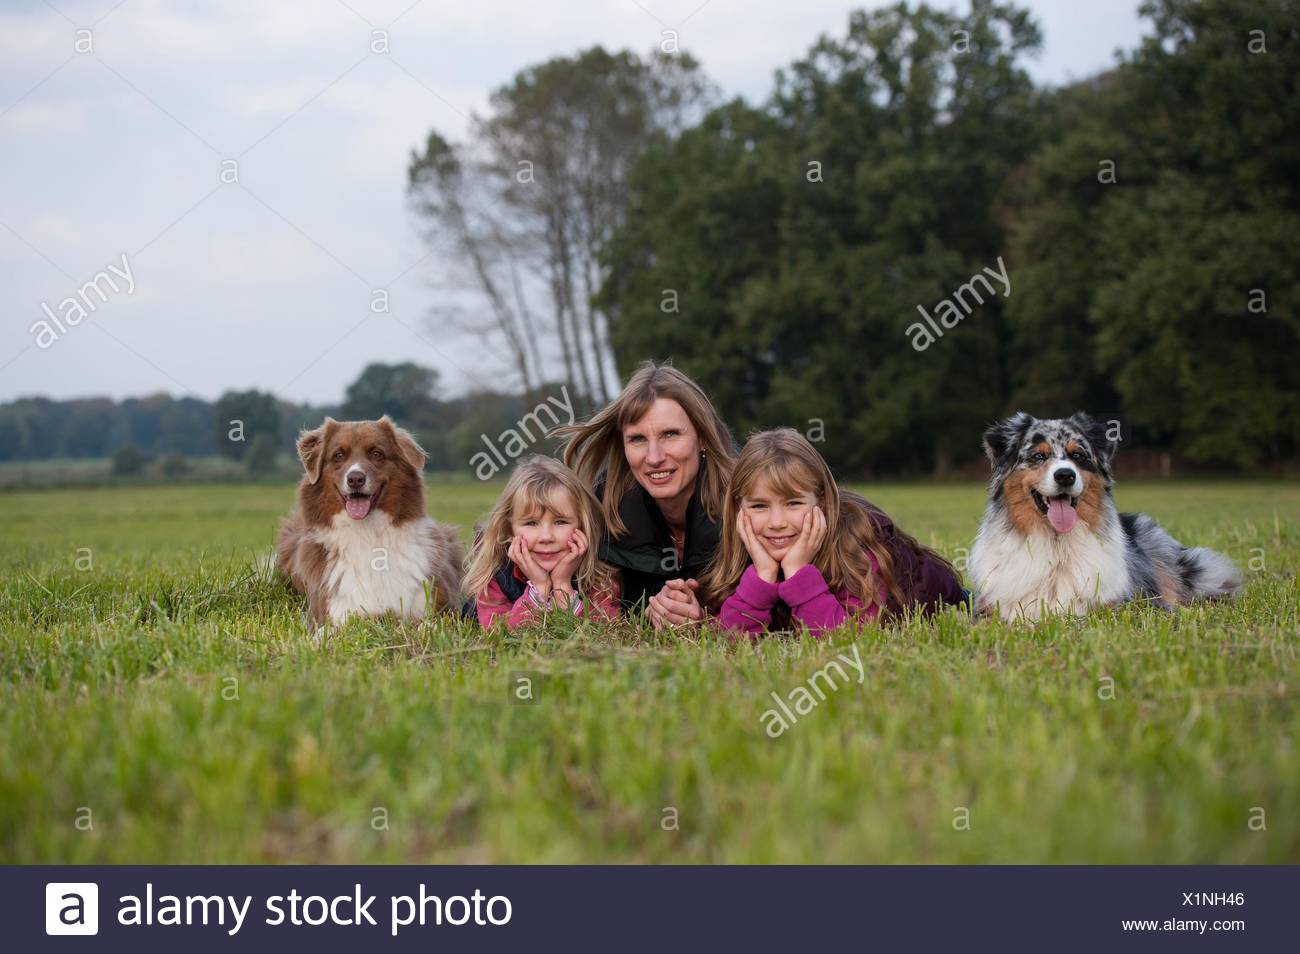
{"points": [[357, 507], [1061, 514]]}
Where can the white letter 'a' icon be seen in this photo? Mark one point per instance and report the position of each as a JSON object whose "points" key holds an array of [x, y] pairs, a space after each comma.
{"points": [[71, 907]]}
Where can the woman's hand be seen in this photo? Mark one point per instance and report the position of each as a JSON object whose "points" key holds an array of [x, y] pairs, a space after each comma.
{"points": [[764, 565], [675, 605], [805, 547], [523, 558], [562, 574]]}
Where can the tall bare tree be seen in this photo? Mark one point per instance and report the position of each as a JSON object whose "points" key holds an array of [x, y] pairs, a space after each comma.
{"points": [[529, 203]]}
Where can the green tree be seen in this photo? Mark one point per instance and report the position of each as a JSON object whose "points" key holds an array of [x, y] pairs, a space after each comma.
{"points": [[239, 417], [261, 456], [185, 427], [405, 391], [128, 462], [38, 423], [1164, 222], [174, 466], [798, 240], [1051, 209], [87, 428]]}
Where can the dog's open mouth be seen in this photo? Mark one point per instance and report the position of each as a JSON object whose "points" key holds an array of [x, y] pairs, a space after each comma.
{"points": [[1061, 512], [359, 506]]}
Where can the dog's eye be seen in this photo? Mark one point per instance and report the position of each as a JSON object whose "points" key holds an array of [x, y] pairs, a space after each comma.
{"points": [[376, 454], [1076, 455], [339, 455], [1038, 458]]}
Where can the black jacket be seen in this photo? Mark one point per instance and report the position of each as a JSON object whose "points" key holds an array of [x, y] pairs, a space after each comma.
{"points": [[645, 555]]}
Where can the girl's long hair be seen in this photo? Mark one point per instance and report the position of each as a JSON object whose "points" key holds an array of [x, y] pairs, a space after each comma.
{"points": [[528, 491], [596, 445], [791, 466]]}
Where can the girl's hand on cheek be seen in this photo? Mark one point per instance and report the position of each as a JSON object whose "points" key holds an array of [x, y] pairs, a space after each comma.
{"points": [[806, 545], [562, 575], [764, 565], [523, 558]]}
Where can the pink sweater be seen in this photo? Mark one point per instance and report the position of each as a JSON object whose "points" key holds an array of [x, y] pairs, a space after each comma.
{"points": [[810, 599], [492, 604]]}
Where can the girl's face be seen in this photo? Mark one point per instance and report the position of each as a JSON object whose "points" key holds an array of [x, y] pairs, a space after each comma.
{"points": [[547, 534], [663, 451], [776, 519]]}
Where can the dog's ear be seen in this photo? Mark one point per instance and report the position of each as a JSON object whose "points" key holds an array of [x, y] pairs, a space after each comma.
{"points": [[411, 451], [311, 448], [1098, 435], [1000, 439]]}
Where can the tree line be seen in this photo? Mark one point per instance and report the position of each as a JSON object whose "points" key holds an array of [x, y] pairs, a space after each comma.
{"points": [[253, 427], [825, 255]]}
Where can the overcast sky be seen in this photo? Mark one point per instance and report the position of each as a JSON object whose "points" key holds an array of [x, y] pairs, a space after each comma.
{"points": [[267, 284]]}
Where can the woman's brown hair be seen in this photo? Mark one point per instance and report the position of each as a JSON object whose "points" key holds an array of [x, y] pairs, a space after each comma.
{"points": [[596, 445]]}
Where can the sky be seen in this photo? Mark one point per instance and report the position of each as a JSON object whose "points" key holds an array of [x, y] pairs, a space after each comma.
{"points": [[123, 126]]}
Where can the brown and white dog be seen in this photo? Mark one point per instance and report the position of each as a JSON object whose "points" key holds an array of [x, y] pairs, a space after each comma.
{"points": [[359, 540]]}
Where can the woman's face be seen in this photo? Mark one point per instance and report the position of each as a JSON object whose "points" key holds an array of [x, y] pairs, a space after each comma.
{"points": [[663, 450], [776, 519], [547, 534]]}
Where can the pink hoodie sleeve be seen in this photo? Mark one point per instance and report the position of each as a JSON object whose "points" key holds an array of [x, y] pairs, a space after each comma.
{"points": [[749, 609], [492, 605], [812, 603], [604, 604]]}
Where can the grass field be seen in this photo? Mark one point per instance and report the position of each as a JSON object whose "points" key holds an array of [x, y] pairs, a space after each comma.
{"points": [[160, 701]]}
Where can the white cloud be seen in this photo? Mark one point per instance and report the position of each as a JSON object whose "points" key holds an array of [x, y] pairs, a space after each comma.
{"points": [[55, 119]]}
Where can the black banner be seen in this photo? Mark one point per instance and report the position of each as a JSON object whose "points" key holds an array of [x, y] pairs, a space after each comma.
{"points": [[659, 909]]}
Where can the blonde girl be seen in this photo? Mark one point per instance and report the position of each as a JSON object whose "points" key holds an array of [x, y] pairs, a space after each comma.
{"points": [[537, 551]]}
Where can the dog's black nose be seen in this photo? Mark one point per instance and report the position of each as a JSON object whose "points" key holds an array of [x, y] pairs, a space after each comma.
{"points": [[1064, 477], [356, 481]]}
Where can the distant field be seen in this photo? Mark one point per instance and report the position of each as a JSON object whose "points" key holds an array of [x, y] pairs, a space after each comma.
{"points": [[160, 702]]}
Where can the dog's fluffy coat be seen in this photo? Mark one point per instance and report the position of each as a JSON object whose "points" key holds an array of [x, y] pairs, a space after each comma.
{"points": [[359, 540], [1052, 540]]}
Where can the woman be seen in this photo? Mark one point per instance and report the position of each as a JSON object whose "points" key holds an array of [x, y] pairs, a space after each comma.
{"points": [[659, 459]]}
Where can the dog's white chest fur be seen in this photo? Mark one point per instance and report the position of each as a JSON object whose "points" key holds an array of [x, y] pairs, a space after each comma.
{"points": [[1047, 572], [376, 567]]}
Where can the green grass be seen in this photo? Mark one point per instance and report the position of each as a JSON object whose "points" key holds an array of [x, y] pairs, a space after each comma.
{"points": [[170, 688]]}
